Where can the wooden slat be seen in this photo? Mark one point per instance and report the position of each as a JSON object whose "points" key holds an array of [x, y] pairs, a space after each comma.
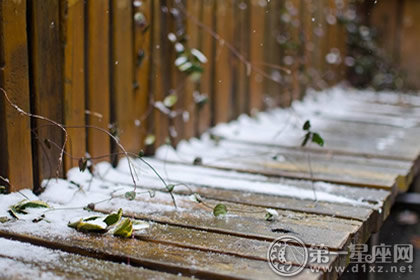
{"points": [[124, 103], [273, 54], [257, 30], [160, 74], [58, 264], [98, 81], [193, 33], [142, 68], [235, 187], [300, 164], [73, 29], [169, 258], [46, 56], [15, 141], [207, 47], [242, 33], [223, 83]]}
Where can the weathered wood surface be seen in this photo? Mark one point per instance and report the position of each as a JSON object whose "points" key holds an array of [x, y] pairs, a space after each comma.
{"points": [[54, 264], [15, 136], [327, 199]]}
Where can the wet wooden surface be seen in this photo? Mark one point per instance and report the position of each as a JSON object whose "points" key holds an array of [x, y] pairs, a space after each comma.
{"points": [[341, 197]]}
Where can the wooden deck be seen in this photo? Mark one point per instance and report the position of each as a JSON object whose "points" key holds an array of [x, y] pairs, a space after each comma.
{"points": [[371, 154]]}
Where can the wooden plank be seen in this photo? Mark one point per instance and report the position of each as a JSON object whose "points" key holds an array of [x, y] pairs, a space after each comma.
{"points": [[15, 137], [201, 264], [301, 164], [73, 29], [142, 68], [98, 80], [207, 43], [54, 264], [257, 30], [46, 84], [223, 83], [160, 74], [193, 35], [268, 192], [123, 100], [273, 55], [409, 40], [242, 37], [350, 141]]}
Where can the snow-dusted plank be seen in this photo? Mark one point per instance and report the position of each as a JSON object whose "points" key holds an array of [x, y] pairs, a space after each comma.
{"points": [[208, 242], [21, 260], [364, 204], [284, 128], [246, 221], [177, 250], [339, 169]]}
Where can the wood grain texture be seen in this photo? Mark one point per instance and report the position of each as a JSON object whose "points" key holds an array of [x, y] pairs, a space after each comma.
{"points": [[207, 47], [160, 74], [123, 99], [46, 56], [98, 77], [257, 31], [223, 75], [142, 68], [15, 140], [73, 33]]}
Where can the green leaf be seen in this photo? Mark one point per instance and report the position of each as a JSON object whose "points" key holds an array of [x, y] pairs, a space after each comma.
{"points": [[141, 154], [170, 100], [306, 125], [124, 228], [130, 195], [316, 138], [24, 204], [170, 187], [2, 189], [219, 209], [95, 225], [4, 219], [113, 218], [270, 214], [150, 139], [305, 139], [74, 224]]}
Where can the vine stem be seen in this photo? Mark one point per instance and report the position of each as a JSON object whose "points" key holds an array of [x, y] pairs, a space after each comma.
{"points": [[30, 115]]}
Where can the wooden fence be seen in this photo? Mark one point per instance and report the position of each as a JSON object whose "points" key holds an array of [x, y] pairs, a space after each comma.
{"points": [[103, 65], [398, 25]]}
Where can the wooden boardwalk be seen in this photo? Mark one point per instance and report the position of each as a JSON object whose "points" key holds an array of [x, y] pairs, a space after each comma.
{"points": [[371, 154]]}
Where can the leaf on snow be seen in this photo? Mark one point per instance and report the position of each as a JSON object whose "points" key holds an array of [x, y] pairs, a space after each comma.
{"points": [[113, 218], [305, 139], [306, 125], [219, 210], [124, 228]]}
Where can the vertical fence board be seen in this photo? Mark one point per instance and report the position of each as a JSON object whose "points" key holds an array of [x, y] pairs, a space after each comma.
{"points": [[142, 69], [222, 107], [273, 55], [192, 31], [15, 141], [257, 30], [161, 74], [122, 95], [410, 40], [206, 16], [46, 85], [73, 28], [98, 84], [242, 33]]}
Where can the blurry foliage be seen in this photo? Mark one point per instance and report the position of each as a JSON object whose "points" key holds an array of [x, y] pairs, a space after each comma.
{"points": [[368, 64]]}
